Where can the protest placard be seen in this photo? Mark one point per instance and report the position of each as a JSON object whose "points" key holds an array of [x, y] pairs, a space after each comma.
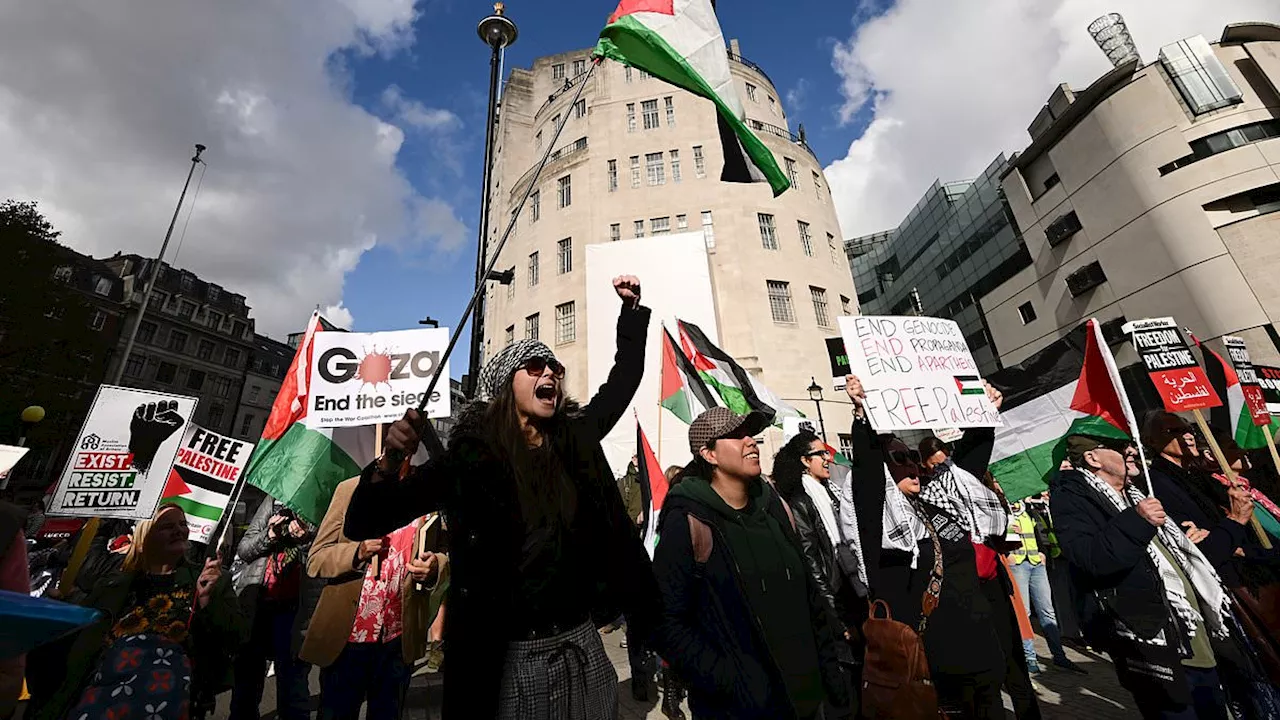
{"points": [[1269, 380], [917, 372], [791, 426], [367, 378], [1181, 381], [839, 360], [203, 478], [122, 457], [1250, 388], [9, 456]]}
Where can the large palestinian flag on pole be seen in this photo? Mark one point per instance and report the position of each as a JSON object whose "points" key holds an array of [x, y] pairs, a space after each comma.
{"points": [[680, 41], [653, 488], [738, 390], [298, 465], [1063, 391], [683, 392]]}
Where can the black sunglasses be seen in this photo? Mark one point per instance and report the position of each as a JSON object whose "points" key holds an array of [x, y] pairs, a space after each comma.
{"points": [[536, 366], [817, 453], [900, 457]]}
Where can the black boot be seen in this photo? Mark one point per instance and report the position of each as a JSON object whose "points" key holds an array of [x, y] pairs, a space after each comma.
{"points": [[639, 689], [672, 694]]}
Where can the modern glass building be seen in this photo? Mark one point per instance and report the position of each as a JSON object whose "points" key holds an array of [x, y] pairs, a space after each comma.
{"points": [[958, 242]]}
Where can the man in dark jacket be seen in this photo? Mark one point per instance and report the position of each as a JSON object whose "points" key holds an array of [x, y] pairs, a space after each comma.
{"points": [[270, 587], [743, 622], [1146, 588]]}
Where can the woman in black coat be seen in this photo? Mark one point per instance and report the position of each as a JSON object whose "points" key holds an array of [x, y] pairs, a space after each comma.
{"points": [[541, 544]]}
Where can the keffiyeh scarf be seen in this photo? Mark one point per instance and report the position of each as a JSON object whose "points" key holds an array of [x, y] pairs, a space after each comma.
{"points": [[972, 504], [1213, 599], [841, 484], [500, 369], [903, 528]]}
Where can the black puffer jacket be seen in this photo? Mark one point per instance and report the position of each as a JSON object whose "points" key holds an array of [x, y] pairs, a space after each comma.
{"points": [[476, 489]]}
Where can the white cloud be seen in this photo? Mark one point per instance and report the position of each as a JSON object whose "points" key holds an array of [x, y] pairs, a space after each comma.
{"points": [[414, 114], [952, 84], [338, 315], [100, 105]]}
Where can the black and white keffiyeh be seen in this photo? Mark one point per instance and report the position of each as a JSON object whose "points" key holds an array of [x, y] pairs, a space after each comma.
{"points": [[903, 528], [500, 369], [972, 504], [1213, 599], [841, 485]]}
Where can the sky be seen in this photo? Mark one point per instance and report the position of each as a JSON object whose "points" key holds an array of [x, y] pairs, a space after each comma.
{"points": [[345, 137]]}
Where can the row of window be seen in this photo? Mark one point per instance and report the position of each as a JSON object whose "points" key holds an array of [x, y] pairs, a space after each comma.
{"points": [[753, 95], [769, 237], [167, 374], [178, 341], [783, 311], [564, 193], [649, 114], [579, 67], [101, 284], [566, 325], [579, 112], [564, 264], [97, 320], [655, 168], [201, 315]]}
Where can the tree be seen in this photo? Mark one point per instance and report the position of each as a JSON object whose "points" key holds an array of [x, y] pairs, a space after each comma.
{"points": [[18, 216]]}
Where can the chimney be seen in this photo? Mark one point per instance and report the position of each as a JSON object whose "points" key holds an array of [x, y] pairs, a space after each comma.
{"points": [[1112, 36], [734, 49]]}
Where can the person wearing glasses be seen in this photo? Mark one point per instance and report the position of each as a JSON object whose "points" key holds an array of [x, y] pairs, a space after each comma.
{"points": [[541, 548]]}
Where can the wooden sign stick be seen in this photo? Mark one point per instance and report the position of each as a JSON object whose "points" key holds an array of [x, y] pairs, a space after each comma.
{"points": [[1231, 474]]}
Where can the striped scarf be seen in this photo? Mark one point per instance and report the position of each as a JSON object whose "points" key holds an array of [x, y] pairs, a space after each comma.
{"points": [[973, 504]]}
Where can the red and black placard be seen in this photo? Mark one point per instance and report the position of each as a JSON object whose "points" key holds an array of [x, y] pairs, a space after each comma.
{"points": [[1178, 378]]}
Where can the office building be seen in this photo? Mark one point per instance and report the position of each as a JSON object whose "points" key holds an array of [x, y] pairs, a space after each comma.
{"points": [[641, 158], [268, 364], [1153, 192], [957, 243]]}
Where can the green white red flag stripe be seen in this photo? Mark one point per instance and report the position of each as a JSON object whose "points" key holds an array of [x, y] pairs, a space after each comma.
{"points": [[738, 390], [680, 41], [682, 389], [653, 488], [970, 385], [1235, 416]]}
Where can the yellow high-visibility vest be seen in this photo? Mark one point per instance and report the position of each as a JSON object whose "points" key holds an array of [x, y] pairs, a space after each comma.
{"points": [[1024, 526]]}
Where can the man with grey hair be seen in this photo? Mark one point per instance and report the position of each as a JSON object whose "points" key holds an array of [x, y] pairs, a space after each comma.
{"points": [[1151, 600]]}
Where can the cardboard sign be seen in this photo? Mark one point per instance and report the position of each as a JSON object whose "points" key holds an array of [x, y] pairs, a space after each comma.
{"points": [[1181, 382], [9, 456], [122, 457], [1269, 381], [368, 378], [1249, 386], [917, 373], [839, 359], [203, 477]]}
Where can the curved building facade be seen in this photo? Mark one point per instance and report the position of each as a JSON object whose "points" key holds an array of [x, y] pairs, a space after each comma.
{"points": [[638, 158]]}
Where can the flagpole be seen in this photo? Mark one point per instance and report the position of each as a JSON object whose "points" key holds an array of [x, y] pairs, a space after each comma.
{"points": [[1231, 474], [396, 458]]}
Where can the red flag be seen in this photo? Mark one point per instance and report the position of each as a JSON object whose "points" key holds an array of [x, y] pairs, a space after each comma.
{"points": [[653, 488]]}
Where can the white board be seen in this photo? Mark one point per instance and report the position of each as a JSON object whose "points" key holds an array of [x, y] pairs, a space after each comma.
{"points": [[122, 457], [203, 477], [917, 372], [368, 378], [675, 280], [9, 456]]}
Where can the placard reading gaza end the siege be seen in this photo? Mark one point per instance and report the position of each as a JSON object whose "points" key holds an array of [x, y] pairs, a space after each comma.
{"points": [[122, 457], [917, 372], [1249, 385], [367, 378], [1181, 382]]}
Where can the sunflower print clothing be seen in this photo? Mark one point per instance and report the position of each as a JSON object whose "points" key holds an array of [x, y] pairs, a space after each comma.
{"points": [[159, 607]]}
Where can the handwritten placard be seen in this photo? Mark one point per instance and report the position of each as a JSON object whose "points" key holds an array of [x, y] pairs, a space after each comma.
{"points": [[917, 373], [1180, 381]]}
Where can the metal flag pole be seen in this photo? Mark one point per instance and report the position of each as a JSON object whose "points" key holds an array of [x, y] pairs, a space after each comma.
{"points": [[432, 441]]}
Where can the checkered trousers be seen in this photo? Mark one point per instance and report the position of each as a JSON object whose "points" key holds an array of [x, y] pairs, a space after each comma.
{"points": [[565, 677]]}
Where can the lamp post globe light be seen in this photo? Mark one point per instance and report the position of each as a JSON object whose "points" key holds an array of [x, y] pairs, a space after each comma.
{"points": [[30, 415], [815, 394]]}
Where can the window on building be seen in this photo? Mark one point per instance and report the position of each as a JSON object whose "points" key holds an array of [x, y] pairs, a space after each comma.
{"points": [[1199, 75], [215, 320], [186, 282], [675, 166], [177, 341], [531, 327], [537, 141], [615, 232], [780, 301], [751, 93], [773, 105], [831, 247], [631, 117], [671, 110], [535, 206], [187, 309], [660, 225], [817, 184], [557, 71], [195, 379], [215, 416], [844, 306], [846, 445], [509, 336], [222, 387], [566, 191], [103, 286], [635, 171], [579, 67], [555, 121], [653, 169], [231, 358], [62, 273], [246, 424], [566, 324], [792, 175], [649, 108], [533, 269], [511, 288], [1027, 312], [146, 332], [699, 162], [1085, 279], [644, 74], [136, 364], [639, 229], [806, 241], [613, 176], [768, 233], [97, 320], [564, 256], [682, 222], [708, 230], [166, 372], [212, 293], [627, 73], [204, 350], [820, 312], [254, 393], [580, 109]]}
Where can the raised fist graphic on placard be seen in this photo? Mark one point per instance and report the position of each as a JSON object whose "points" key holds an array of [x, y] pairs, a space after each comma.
{"points": [[152, 424]]}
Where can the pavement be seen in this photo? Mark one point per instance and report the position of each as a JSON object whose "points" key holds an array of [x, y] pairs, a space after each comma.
{"points": [[1063, 695]]}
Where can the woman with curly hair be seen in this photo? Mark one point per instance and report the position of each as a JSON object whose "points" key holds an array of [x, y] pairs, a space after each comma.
{"points": [[168, 630]]}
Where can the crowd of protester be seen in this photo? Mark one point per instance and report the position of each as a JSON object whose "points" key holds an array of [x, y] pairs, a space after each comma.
{"points": [[905, 590]]}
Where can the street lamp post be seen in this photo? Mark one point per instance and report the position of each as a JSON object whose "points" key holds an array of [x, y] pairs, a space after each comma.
{"points": [[498, 32], [150, 280], [815, 394]]}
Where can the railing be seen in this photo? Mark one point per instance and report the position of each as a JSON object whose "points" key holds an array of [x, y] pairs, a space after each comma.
{"points": [[569, 83], [763, 127], [577, 146], [743, 61]]}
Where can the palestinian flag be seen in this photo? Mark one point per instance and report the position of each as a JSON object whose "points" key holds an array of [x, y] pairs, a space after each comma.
{"points": [[202, 497], [738, 390], [1237, 415], [653, 488], [1061, 391], [680, 42], [298, 465], [970, 385], [683, 392]]}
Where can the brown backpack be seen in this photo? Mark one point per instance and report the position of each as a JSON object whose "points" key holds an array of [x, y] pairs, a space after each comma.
{"points": [[895, 674]]}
